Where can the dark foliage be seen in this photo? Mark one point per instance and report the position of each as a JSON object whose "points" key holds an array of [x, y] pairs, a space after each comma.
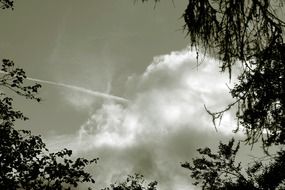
{"points": [[7, 4], [135, 182], [25, 162], [220, 170], [13, 79], [236, 30], [247, 31], [261, 95]]}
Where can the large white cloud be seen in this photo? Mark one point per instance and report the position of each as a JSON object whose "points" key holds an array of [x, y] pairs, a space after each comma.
{"points": [[162, 124]]}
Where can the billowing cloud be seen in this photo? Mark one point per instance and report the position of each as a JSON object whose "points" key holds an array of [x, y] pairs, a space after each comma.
{"points": [[163, 123]]}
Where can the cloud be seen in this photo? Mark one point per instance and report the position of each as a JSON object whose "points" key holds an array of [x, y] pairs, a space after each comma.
{"points": [[162, 125]]}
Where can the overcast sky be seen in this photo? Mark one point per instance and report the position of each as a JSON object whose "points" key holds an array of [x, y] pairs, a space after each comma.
{"points": [[121, 84]]}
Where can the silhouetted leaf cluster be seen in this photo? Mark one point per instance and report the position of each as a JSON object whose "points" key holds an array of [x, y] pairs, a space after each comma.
{"points": [[261, 91], [220, 171], [25, 162], [13, 79], [237, 30], [135, 182], [7, 4]]}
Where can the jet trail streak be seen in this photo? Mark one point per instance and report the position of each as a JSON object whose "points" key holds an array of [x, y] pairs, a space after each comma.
{"points": [[80, 89], [77, 88]]}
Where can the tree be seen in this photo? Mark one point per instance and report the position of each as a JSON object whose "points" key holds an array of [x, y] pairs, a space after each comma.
{"points": [[25, 162], [7, 4], [248, 32], [135, 182], [220, 171]]}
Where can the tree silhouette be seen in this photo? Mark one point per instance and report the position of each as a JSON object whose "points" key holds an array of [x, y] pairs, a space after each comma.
{"points": [[7, 4], [135, 182], [220, 170], [248, 32], [25, 162]]}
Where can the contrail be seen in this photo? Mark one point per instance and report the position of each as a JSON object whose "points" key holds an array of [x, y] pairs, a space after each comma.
{"points": [[77, 88], [80, 89]]}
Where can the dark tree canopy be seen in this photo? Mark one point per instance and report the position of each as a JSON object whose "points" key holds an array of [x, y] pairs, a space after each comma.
{"points": [[25, 162], [235, 30], [135, 182], [7, 4], [219, 170], [246, 31]]}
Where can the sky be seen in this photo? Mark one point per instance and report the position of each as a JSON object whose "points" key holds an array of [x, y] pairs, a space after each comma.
{"points": [[119, 82]]}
